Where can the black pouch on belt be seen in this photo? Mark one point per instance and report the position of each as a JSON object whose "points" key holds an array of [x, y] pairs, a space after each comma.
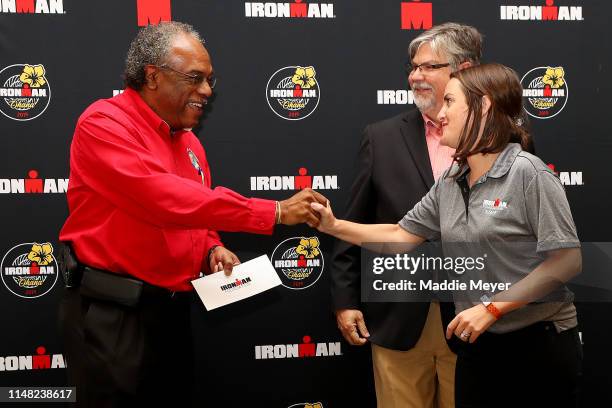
{"points": [[110, 287], [69, 266]]}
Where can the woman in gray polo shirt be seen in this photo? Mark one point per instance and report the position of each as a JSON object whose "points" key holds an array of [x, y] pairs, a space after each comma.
{"points": [[515, 352]]}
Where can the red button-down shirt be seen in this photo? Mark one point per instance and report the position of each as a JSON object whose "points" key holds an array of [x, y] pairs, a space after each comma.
{"points": [[140, 196]]}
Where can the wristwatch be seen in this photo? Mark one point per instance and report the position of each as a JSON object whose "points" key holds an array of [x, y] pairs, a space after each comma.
{"points": [[210, 251], [488, 303]]}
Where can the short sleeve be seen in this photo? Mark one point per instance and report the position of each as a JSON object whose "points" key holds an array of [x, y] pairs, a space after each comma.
{"points": [[424, 219], [549, 213]]}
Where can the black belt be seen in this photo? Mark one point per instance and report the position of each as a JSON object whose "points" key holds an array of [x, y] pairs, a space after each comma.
{"points": [[121, 289]]}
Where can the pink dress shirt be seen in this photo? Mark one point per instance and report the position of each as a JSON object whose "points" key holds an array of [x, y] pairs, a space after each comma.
{"points": [[440, 157]]}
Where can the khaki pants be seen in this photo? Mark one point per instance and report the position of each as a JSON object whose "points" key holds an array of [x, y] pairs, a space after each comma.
{"points": [[422, 377]]}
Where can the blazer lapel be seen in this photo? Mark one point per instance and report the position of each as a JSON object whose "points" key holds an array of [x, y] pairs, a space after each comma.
{"points": [[413, 133]]}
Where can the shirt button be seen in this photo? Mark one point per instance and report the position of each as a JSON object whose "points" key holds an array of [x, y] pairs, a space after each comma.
{"points": [[261, 224]]}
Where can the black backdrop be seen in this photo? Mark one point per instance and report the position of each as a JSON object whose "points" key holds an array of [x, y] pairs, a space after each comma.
{"points": [[356, 50]]}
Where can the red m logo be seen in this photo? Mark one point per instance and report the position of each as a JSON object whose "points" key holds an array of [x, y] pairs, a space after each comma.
{"points": [[416, 16], [152, 11], [25, 6]]}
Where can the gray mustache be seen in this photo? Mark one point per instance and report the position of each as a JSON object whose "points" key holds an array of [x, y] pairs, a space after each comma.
{"points": [[422, 86]]}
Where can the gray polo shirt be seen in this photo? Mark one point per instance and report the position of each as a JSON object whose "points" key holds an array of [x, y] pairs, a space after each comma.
{"points": [[518, 200]]}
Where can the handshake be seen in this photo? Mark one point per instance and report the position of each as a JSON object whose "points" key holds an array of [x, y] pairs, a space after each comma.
{"points": [[307, 206], [297, 208]]}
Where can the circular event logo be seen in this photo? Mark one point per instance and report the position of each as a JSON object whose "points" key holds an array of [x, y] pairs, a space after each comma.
{"points": [[545, 92], [29, 270], [298, 261], [24, 91], [293, 92]]}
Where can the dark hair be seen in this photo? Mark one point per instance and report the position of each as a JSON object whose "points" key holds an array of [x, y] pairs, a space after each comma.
{"points": [[504, 123]]}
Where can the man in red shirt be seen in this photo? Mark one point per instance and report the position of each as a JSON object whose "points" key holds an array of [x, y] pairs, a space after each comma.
{"points": [[142, 224]]}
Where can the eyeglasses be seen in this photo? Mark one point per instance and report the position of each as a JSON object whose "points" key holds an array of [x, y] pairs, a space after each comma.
{"points": [[194, 79], [425, 67]]}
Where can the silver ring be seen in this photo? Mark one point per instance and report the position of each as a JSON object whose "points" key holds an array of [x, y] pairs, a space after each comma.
{"points": [[465, 334]]}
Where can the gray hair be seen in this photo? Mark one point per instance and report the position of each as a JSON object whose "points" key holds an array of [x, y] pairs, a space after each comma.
{"points": [[151, 46], [458, 42]]}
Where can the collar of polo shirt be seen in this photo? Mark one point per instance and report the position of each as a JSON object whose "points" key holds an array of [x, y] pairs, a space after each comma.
{"points": [[502, 164]]}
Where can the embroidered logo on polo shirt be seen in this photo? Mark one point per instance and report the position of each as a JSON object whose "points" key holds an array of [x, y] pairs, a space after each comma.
{"points": [[494, 206], [195, 163]]}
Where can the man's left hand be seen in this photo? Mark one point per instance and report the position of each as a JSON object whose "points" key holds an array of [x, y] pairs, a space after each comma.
{"points": [[470, 323], [222, 259]]}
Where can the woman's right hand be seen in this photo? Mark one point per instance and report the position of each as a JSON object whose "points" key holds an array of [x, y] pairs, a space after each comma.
{"points": [[327, 222], [356, 234]]}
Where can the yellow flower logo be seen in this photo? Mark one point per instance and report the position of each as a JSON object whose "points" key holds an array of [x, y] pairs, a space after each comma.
{"points": [[41, 254], [309, 247], [304, 77], [554, 77], [33, 75]]}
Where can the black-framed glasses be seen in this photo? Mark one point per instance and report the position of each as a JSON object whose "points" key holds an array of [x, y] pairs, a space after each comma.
{"points": [[194, 79], [424, 67]]}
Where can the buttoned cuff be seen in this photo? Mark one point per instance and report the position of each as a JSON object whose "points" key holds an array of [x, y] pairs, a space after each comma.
{"points": [[263, 214]]}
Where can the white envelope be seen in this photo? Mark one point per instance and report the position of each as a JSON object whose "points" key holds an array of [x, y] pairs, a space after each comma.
{"points": [[247, 279]]}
